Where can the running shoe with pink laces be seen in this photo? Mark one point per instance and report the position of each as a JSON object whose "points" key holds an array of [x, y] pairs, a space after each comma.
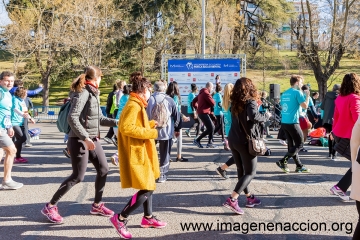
{"points": [[52, 214], [120, 227], [152, 222], [101, 210], [233, 206], [20, 160]]}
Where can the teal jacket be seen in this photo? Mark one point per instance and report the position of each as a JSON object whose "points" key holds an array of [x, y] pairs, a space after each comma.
{"points": [[19, 105]]}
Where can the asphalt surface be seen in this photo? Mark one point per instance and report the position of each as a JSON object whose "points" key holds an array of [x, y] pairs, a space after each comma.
{"points": [[194, 193]]}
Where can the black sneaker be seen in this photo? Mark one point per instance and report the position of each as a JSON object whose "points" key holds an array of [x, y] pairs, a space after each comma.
{"points": [[222, 173], [198, 144], [182, 159], [303, 150], [66, 153], [283, 166], [114, 141]]}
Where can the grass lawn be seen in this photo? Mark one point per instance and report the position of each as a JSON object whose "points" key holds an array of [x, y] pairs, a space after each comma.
{"points": [[275, 73]]}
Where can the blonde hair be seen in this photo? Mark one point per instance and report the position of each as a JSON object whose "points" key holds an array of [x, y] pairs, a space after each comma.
{"points": [[227, 93], [120, 84]]}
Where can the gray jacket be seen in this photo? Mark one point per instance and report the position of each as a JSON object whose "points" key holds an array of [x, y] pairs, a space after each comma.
{"points": [[85, 115], [174, 121]]}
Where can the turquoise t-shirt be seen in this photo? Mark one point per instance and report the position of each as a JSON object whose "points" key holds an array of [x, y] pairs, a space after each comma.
{"points": [[218, 99], [5, 108], [177, 102], [191, 97], [311, 103], [123, 100], [20, 105], [290, 104], [227, 120]]}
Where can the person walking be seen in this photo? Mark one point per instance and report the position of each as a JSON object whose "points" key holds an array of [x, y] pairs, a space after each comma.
{"points": [[7, 131], [291, 102], [192, 112], [355, 160], [174, 92], [110, 108], [227, 125], [328, 106], [19, 112], [123, 100], [218, 112], [85, 118], [169, 124], [347, 111], [203, 104], [246, 119], [138, 160]]}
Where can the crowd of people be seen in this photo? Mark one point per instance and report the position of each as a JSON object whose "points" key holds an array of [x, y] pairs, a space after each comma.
{"points": [[141, 116]]}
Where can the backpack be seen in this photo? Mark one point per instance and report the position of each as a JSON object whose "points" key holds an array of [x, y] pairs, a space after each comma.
{"points": [[160, 114], [318, 133], [315, 142], [62, 123]]}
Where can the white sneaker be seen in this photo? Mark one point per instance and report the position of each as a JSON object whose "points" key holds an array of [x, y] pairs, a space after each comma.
{"points": [[282, 142], [11, 185], [338, 192]]}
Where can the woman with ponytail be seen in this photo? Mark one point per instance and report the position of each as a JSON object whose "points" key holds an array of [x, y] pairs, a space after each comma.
{"points": [[85, 118], [138, 159]]}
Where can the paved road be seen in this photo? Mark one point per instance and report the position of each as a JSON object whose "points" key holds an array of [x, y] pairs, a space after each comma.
{"points": [[193, 194]]}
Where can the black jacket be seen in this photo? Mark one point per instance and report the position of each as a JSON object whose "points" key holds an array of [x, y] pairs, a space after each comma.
{"points": [[251, 119], [328, 105]]}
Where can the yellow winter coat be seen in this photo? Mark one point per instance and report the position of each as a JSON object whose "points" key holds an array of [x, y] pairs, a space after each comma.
{"points": [[138, 159]]}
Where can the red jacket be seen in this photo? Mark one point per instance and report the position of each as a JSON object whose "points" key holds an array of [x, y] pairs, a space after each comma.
{"points": [[347, 111], [203, 102]]}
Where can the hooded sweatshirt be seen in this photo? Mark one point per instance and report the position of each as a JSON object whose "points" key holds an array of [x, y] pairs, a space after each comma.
{"points": [[203, 102], [328, 105]]}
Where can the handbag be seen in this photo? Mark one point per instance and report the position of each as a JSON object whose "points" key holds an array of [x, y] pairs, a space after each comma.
{"points": [[256, 146]]}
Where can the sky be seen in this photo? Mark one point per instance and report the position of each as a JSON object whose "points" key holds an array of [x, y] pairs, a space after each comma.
{"points": [[4, 19]]}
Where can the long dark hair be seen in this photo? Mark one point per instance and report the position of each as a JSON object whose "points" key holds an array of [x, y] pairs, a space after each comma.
{"points": [[243, 90], [173, 90], [350, 84]]}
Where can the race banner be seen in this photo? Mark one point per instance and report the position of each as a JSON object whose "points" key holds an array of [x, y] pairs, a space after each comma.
{"points": [[200, 71]]}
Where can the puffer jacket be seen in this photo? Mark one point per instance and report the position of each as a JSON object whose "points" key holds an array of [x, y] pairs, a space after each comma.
{"points": [[85, 115]]}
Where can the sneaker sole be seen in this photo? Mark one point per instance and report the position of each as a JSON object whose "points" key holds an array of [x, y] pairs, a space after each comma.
{"points": [[101, 214], [151, 226], [252, 205], [220, 174], [229, 207], [344, 198], [121, 236], [49, 218]]}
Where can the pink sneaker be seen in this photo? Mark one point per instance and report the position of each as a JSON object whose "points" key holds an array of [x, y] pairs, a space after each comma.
{"points": [[233, 206], [101, 210], [52, 214], [120, 227], [152, 222], [20, 160]]}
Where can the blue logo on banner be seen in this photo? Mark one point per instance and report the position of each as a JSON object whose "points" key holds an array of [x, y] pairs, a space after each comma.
{"points": [[204, 65]]}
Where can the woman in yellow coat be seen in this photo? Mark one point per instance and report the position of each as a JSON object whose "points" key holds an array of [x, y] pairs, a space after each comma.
{"points": [[138, 160]]}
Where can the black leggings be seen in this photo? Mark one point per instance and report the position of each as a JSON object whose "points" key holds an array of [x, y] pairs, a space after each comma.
{"points": [[220, 126], [246, 166], [295, 141], [230, 162], [357, 229], [20, 135], [79, 161], [111, 132], [205, 118], [331, 143], [143, 197], [196, 125]]}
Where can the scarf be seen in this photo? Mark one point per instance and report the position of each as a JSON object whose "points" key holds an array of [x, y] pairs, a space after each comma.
{"points": [[137, 96], [93, 88]]}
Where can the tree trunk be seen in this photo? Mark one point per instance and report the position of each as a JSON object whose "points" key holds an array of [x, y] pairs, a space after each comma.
{"points": [[322, 85], [46, 92], [157, 60]]}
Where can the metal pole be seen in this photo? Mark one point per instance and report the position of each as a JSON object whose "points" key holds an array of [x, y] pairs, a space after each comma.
{"points": [[203, 29]]}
